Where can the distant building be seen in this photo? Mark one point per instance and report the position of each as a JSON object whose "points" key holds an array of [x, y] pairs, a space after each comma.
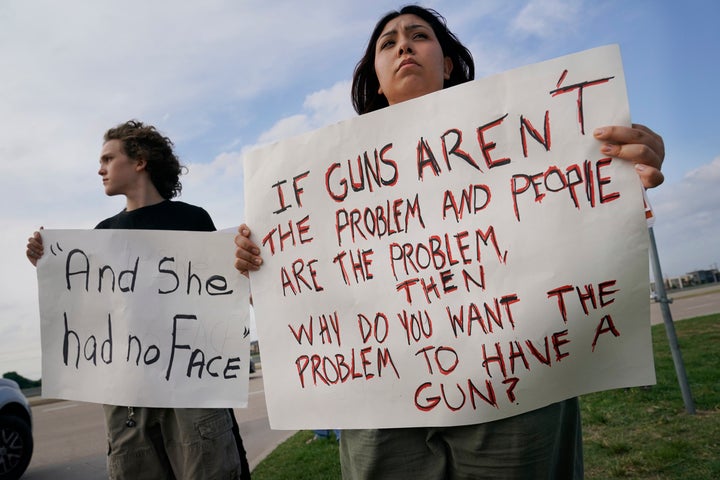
{"points": [[690, 279], [700, 277]]}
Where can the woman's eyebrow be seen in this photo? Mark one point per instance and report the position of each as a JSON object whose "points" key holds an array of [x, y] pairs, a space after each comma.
{"points": [[388, 33], [413, 26]]}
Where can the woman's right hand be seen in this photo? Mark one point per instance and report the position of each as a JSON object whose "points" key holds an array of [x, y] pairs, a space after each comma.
{"points": [[637, 144], [35, 248], [247, 254]]}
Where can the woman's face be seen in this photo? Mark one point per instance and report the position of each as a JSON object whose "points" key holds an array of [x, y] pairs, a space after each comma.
{"points": [[409, 61]]}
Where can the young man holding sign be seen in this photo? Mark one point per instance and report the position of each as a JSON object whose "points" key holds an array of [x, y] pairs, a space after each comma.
{"points": [[138, 162], [411, 53]]}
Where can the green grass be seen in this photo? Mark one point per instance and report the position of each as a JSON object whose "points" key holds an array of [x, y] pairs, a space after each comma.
{"points": [[295, 459], [636, 433], [646, 433]]}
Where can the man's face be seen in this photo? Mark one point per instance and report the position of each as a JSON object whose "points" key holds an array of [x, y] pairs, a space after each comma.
{"points": [[119, 172]]}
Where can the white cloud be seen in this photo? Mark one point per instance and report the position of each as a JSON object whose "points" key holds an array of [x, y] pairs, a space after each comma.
{"points": [[687, 228], [217, 185], [320, 109], [547, 18], [707, 174], [330, 105], [285, 127]]}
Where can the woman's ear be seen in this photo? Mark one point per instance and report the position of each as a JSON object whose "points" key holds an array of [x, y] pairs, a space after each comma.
{"points": [[447, 68]]}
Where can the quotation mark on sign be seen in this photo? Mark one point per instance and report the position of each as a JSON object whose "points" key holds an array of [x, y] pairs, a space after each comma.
{"points": [[53, 247], [246, 332]]}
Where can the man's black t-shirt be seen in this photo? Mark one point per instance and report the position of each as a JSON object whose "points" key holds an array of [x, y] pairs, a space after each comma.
{"points": [[165, 215], [168, 215]]}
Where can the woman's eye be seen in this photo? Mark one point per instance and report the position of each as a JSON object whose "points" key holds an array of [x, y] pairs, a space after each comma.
{"points": [[387, 43]]}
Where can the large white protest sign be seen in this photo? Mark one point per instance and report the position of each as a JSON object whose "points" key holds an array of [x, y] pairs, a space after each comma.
{"points": [[454, 259], [143, 318]]}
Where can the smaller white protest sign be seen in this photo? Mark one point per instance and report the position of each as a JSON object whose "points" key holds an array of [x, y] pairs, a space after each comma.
{"points": [[143, 318]]}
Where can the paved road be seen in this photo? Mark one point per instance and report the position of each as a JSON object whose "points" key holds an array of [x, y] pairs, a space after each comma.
{"points": [[70, 436], [689, 303]]}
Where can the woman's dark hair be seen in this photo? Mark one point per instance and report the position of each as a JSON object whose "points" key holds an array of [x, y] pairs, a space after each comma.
{"points": [[365, 85], [140, 141]]}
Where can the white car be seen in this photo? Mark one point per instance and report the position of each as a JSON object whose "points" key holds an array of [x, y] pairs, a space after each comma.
{"points": [[16, 441]]}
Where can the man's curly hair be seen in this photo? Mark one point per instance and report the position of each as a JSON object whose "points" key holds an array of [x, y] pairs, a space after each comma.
{"points": [[142, 141]]}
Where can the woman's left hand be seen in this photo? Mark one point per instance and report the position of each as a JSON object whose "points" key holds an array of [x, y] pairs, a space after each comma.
{"points": [[637, 144]]}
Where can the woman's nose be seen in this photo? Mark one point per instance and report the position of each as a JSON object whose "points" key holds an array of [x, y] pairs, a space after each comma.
{"points": [[404, 47]]}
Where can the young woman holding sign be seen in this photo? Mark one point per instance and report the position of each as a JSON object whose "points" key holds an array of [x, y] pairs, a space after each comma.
{"points": [[411, 53]]}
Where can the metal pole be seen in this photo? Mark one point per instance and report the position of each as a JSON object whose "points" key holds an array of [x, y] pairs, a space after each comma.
{"points": [[670, 326]]}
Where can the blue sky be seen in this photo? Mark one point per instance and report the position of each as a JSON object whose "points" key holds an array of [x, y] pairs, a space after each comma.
{"points": [[219, 77]]}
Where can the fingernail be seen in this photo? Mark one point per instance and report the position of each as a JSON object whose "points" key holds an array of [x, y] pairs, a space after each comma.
{"points": [[640, 167], [607, 148], [598, 132]]}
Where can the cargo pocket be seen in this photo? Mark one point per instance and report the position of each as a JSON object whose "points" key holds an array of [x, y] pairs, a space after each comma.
{"points": [[214, 425], [219, 457]]}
